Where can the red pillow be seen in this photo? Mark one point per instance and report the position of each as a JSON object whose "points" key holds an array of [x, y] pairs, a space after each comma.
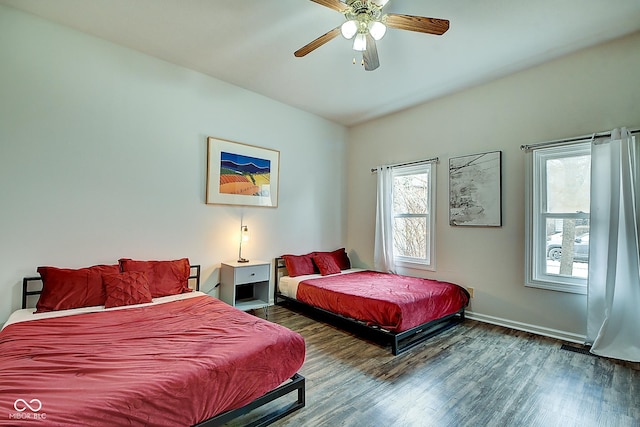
{"points": [[65, 288], [339, 256], [131, 287], [326, 264], [298, 265], [165, 277]]}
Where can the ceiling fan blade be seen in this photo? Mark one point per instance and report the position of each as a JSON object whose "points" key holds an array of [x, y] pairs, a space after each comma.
{"points": [[370, 55], [317, 43], [420, 24], [332, 4]]}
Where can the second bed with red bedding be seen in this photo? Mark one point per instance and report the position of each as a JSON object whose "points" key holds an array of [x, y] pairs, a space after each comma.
{"points": [[393, 302], [396, 309]]}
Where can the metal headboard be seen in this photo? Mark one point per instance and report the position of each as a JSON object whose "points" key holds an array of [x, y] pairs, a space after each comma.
{"points": [[280, 269], [194, 275]]}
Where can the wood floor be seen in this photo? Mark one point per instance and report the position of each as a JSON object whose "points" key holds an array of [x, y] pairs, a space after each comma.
{"points": [[474, 374]]}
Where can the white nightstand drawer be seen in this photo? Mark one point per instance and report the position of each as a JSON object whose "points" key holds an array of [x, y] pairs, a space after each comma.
{"points": [[250, 274]]}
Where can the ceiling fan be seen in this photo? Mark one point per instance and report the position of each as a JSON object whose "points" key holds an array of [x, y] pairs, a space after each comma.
{"points": [[366, 23]]}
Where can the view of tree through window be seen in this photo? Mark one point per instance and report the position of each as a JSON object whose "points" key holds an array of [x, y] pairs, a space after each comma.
{"points": [[411, 209], [567, 215], [558, 236]]}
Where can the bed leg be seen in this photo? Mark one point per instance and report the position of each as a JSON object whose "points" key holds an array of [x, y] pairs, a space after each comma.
{"points": [[302, 398]]}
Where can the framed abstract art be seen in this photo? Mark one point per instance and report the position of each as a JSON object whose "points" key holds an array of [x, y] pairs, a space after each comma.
{"points": [[241, 174], [475, 190]]}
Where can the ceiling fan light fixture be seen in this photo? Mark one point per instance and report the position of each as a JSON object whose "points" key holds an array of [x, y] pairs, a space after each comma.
{"points": [[360, 42], [349, 29], [377, 29], [366, 23]]}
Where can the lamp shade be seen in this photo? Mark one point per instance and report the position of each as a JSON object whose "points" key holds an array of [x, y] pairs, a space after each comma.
{"points": [[349, 29], [377, 30], [360, 42]]}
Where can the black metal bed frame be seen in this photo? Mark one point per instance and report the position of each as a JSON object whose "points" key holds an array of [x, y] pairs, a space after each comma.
{"points": [[295, 384], [399, 341]]}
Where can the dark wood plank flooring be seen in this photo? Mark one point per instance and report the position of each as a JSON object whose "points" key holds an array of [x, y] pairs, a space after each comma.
{"points": [[474, 374]]}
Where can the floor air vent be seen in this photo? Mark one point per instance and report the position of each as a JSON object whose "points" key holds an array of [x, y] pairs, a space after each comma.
{"points": [[581, 350]]}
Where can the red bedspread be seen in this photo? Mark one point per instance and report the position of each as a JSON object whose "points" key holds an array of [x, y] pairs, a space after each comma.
{"points": [[171, 364], [393, 302]]}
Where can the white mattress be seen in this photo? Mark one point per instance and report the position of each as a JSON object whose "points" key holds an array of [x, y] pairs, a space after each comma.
{"points": [[27, 314], [288, 286]]}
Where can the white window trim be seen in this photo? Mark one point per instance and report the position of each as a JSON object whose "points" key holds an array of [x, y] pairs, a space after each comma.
{"points": [[413, 263], [534, 276]]}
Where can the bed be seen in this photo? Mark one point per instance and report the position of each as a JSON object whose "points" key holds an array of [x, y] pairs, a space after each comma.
{"points": [[393, 309], [180, 359]]}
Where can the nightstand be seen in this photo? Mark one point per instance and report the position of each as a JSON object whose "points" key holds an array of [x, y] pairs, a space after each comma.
{"points": [[245, 285]]}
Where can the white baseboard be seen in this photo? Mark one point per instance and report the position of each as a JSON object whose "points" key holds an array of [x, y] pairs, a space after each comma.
{"points": [[534, 329]]}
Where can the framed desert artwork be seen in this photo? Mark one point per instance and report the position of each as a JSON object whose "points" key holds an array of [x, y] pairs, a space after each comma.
{"points": [[475, 190], [241, 174]]}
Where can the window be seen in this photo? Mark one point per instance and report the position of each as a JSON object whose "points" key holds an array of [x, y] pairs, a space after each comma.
{"points": [[413, 221], [558, 199]]}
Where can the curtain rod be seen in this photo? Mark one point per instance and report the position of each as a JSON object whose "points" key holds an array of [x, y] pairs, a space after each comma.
{"points": [[432, 160], [571, 140]]}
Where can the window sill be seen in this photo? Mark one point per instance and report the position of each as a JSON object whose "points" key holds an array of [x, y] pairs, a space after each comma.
{"points": [[558, 287], [414, 265]]}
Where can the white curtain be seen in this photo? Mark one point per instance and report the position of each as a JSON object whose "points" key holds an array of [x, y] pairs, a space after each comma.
{"points": [[383, 249], [613, 300]]}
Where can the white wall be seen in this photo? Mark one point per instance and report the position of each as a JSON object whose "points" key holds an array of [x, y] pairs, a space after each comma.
{"points": [[593, 90], [103, 155]]}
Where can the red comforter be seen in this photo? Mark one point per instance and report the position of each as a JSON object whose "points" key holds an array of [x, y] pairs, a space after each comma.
{"points": [[393, 302], [171, 364]]}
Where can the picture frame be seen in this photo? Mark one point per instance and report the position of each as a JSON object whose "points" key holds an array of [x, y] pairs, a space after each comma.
{"points": [[475, 190], [241, 174]]}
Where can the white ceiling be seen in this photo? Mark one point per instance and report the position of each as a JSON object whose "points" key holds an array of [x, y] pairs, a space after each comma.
{"points": [[250, 43]]}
